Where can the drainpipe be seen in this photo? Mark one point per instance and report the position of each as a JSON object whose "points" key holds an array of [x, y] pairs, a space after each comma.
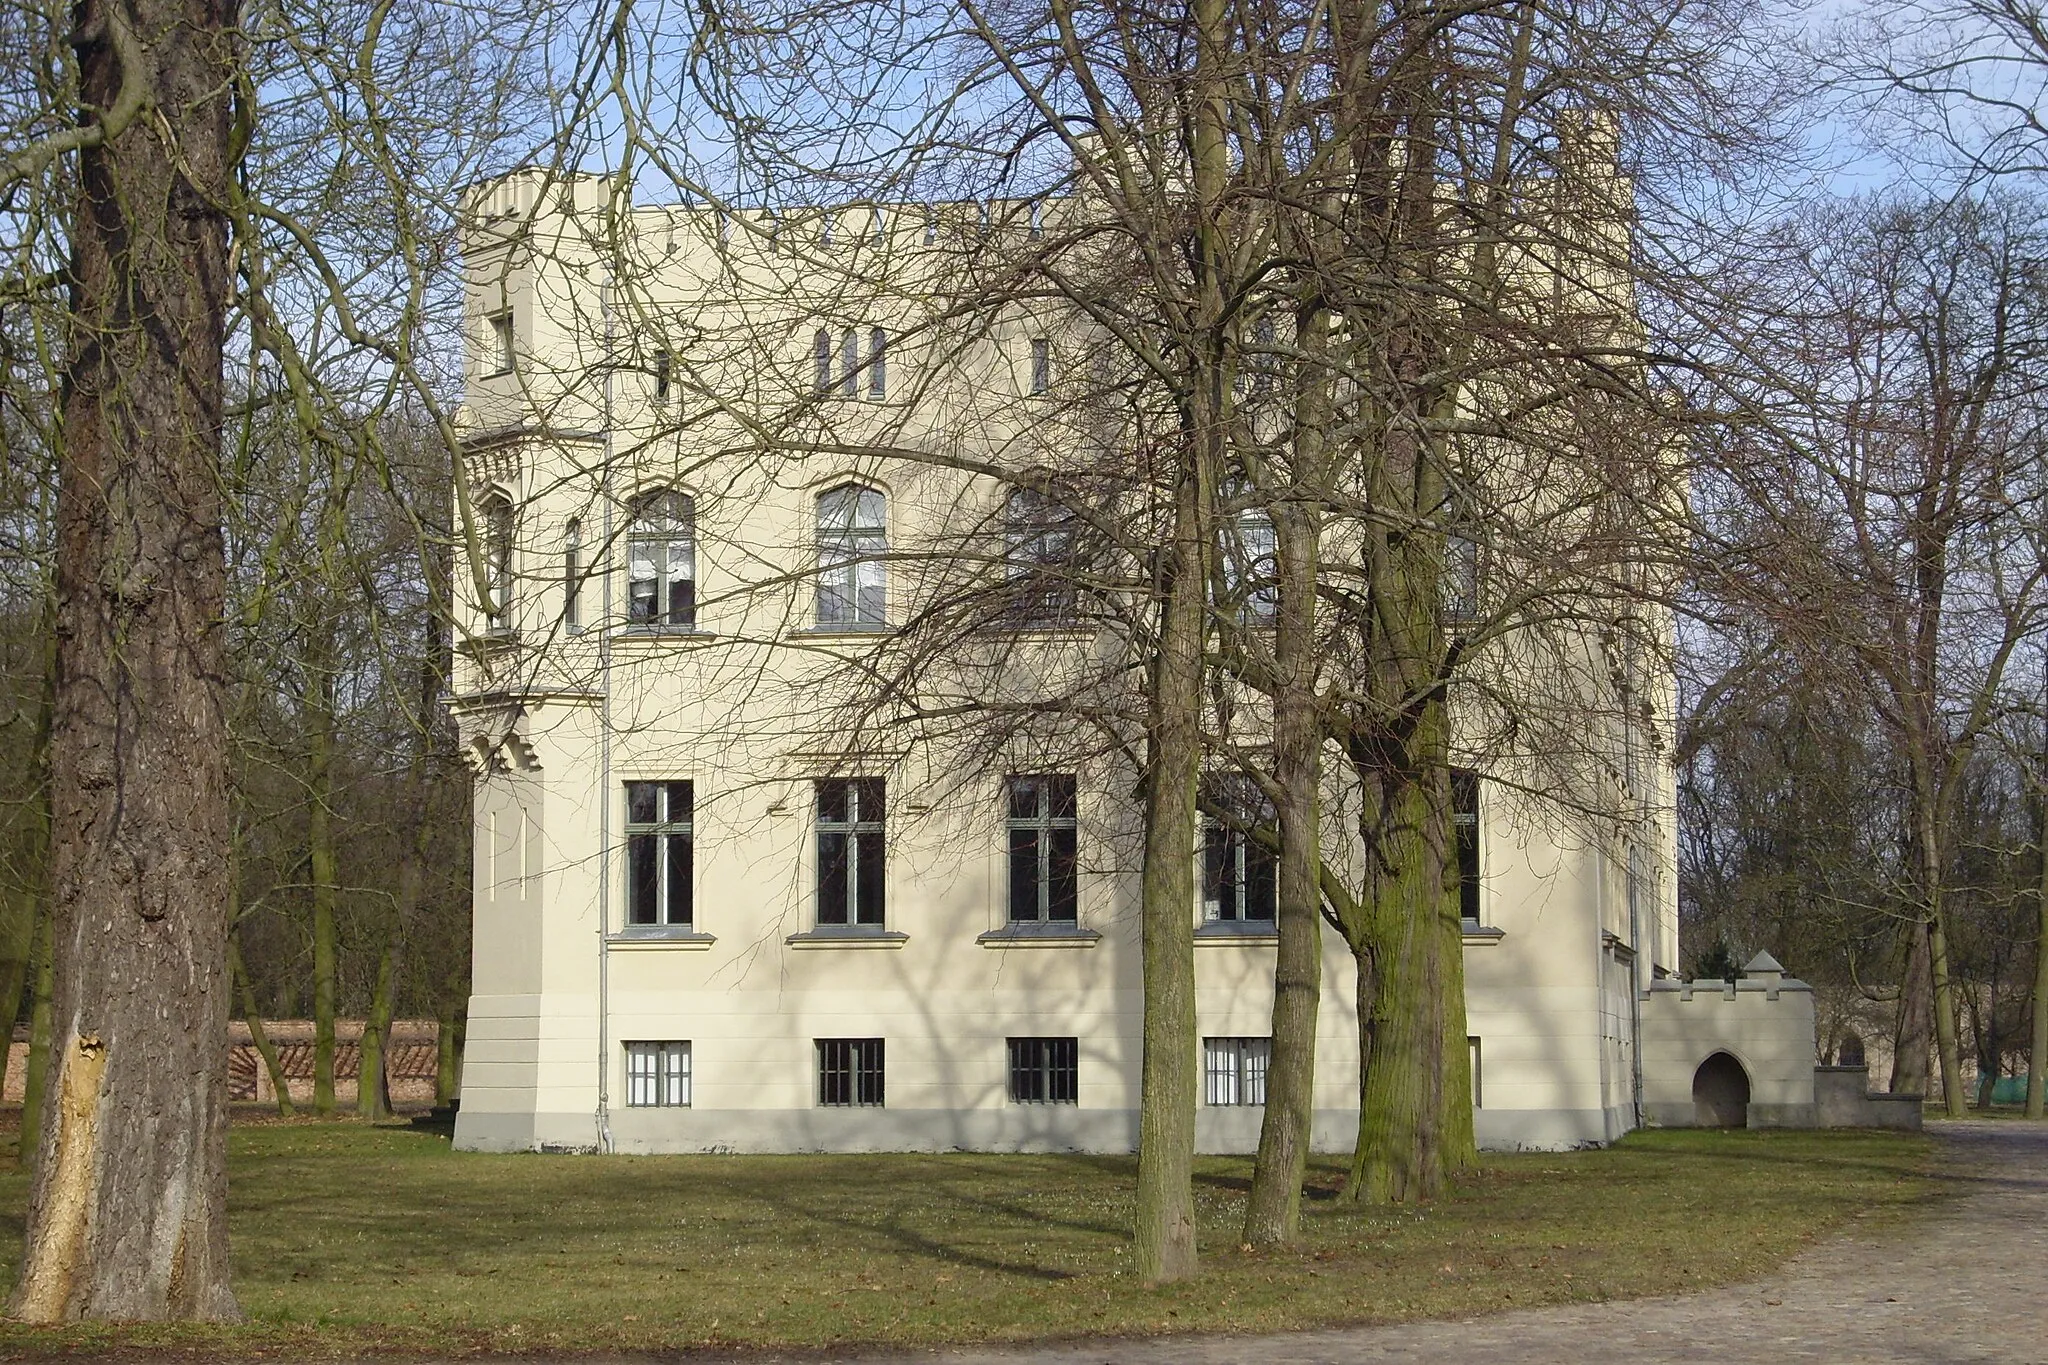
{"points": [[1635, 992], [604, 744]]}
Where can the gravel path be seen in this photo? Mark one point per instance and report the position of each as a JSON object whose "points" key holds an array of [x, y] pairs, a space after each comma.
{"points": [[1968, 1285]]}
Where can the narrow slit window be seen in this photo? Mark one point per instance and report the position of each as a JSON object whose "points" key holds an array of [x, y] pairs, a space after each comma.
{"points": [[878, 364], [503, 356], [572, 576], [821, 360], [1465, 828], [849, 362], [1041, 365]]}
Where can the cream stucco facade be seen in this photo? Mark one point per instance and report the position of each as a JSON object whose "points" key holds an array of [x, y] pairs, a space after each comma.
{"points": [[583, 396]]}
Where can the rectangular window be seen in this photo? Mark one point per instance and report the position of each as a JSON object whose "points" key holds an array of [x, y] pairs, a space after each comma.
{"points": [[1472, 1045], [1043, 849], [852, 863], [1045, 1071], [502, 355], [658, 1075], [1465, 828], [1234, 1070], [658, 853], [1461, 578], [878, 364], [1239, 874], [850, 1072], [1041, 365]]}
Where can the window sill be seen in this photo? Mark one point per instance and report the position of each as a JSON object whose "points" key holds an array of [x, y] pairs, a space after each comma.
{"points": [[1479, 935], [1237, 931], [846, 936], [639, 633], [1040, 934], [823, 632], [637, 936]]}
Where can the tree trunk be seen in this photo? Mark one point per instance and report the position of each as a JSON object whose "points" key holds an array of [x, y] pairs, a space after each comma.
{"points": [[2037, 1048], [373, 1084], [22, 906], [1400, 1154], [1913, 1036], [448, 1045], [321, 864], [1165, 1232], [1273, 1212], [1947, 1044], [127, 1211], [260, 1040]]}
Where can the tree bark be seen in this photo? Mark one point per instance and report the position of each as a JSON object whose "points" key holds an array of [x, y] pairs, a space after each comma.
{"points": [[1165, 1232], [1948, 1047], [322, 870], [2037, 1044], [1273, 1211], [22, 906], [127, 1210], [448, 1044], [1913, 1036], [373, 1087]]}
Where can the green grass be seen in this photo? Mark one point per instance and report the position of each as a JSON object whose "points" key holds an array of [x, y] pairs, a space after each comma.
{"points": [[354, 1238]]}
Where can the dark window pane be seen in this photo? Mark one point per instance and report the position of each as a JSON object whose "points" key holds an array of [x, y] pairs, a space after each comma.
{"points": [[868, 797], [868, 1074], [642, 880], [871, 879], [1064, 881], [1260, 873], [640, 803], [1024, 798], [678, 878], [1063, 1073], [679, 801], [832, 800], [1063, 798], [682, 601], [1024, 874], [1217, 877], [832, 877]]}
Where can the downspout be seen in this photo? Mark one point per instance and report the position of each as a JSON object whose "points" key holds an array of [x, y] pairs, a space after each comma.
{"points": [[1635, 993], [604, 745]]}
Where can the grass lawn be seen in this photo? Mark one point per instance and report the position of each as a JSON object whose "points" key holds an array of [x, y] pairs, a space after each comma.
{"points": [[356, 1238]]}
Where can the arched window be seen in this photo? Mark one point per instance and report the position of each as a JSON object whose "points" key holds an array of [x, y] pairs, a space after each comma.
{"points": [[661, 561], [1039, 560], [1250, 569], [853, 537], [499, 525], [821, 360]]}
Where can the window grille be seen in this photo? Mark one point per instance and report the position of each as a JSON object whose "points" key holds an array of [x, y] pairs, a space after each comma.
{"points": [[1045, 1071], [852, 861], [658, 1075], [1043, 838], [850, 1072], [659, 857], [1234, 1070]]}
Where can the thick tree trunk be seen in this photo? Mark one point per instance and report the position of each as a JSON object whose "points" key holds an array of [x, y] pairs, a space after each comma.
{"points": [[1171, 1072], [127, 1211], [1273, 1212], [1913, 1037], [373, 1085], [1400, 1152]]}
